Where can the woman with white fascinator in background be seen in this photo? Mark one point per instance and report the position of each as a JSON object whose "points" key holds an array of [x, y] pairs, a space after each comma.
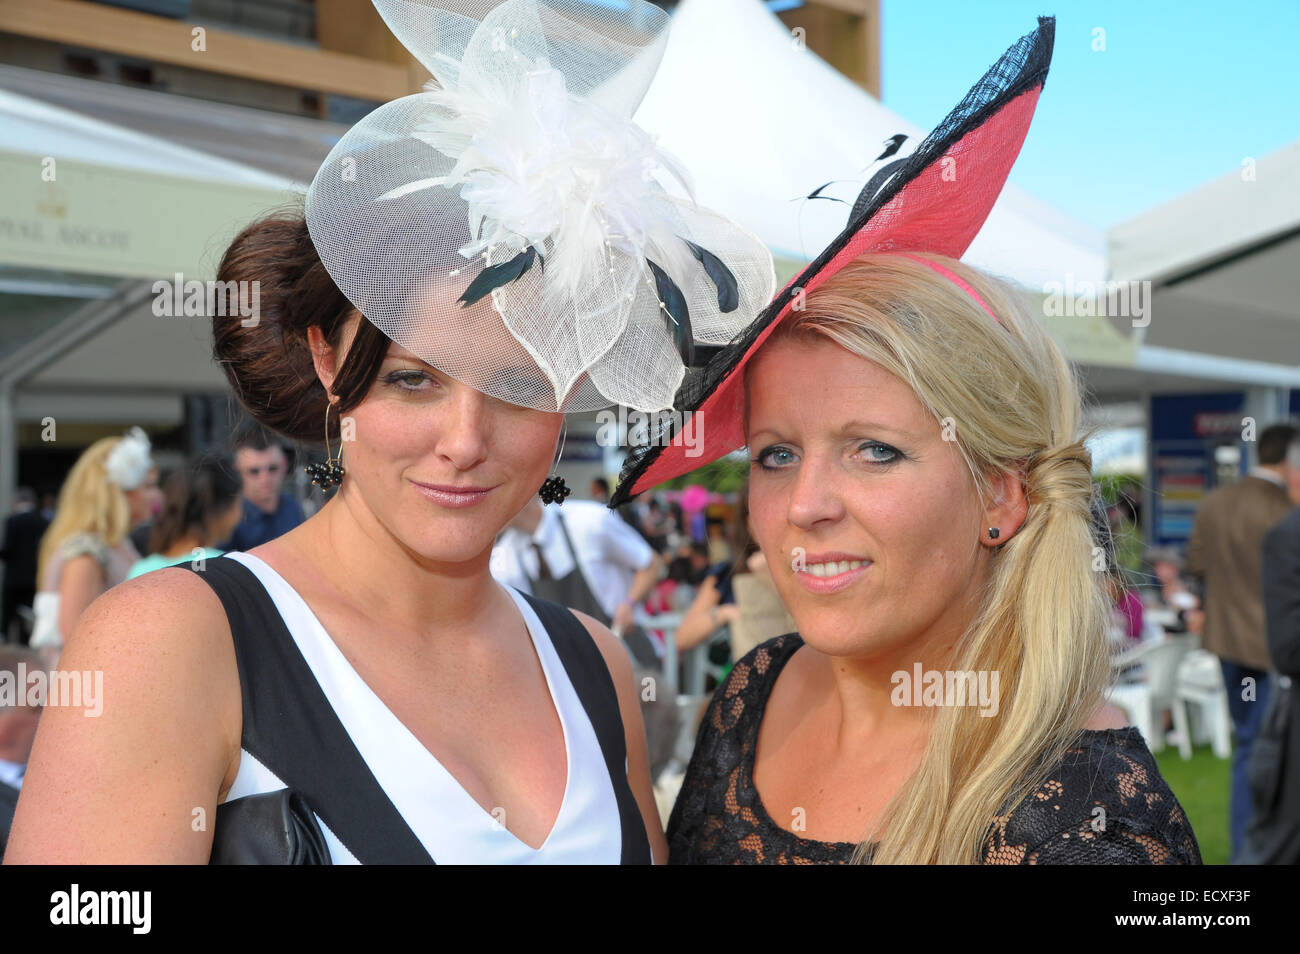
{"points": [[87, 548], [473, 262]]}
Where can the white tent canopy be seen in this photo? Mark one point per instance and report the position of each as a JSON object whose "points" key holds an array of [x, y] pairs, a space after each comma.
{"points": [[759, 120], [93, 214], [85, 196], [39, 127], [1222, 263]]}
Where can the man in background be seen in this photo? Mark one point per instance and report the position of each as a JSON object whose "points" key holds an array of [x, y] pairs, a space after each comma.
{"points": [[269, 512], [580, 555], [23, 530], [1225, 552], [1274, 834]]}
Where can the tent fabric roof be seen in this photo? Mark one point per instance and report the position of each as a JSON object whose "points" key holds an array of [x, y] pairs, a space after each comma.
{"points": [[1237, 211], [279, 143], [759, 121], [41, 128], [1221, 263]]}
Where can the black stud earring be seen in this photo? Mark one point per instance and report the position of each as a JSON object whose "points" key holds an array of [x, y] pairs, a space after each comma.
{"points": [[554, 489], [329, 474], [994, 532]]}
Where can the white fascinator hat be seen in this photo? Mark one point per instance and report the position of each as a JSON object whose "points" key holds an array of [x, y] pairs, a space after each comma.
{"points": [[511, 226], [130, 460]]}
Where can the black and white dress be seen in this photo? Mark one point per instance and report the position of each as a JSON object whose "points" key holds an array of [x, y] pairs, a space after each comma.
{"points": [[311, 723]]}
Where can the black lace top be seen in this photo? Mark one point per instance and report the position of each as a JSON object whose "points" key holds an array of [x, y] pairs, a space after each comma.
{"points": [[720, 819]]}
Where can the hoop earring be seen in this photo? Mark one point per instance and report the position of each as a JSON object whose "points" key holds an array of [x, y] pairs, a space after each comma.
{"points": [[329, 474], [554, 489]]}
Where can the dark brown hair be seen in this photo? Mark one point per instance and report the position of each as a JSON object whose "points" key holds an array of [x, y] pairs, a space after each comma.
{"points": [[1274, 440], [193, 496], [269, 363], [249, 435]]}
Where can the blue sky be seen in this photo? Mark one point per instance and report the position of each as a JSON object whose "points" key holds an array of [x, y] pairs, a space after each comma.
{"points": [[1183, 92]]}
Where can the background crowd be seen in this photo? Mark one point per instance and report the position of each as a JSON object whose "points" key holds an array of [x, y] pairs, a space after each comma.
{"points": [[1205, 641]]}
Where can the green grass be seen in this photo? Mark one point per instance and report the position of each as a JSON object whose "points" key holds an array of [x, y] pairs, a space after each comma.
{"points": [[1201, 785]]}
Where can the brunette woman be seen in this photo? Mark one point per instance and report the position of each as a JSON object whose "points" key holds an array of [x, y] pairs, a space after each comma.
{"points": [[360, 688]]}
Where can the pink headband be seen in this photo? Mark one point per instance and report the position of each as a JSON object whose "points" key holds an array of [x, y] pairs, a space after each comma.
{"points": [[955, 279]]}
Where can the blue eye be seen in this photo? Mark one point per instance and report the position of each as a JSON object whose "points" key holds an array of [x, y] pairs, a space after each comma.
{"points": [[893, 455], [764, 457]]}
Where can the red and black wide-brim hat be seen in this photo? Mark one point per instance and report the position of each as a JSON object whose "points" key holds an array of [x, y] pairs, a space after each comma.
{"points": [[934, 200]]}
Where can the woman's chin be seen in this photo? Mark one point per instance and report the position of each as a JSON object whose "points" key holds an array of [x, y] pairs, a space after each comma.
{"points": [[447, 554], [836, 642], [444, 541], [836, 634]]}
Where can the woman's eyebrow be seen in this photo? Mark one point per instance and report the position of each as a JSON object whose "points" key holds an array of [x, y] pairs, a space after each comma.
{"points": [[849, 427], [393, 355], [865, 425]]}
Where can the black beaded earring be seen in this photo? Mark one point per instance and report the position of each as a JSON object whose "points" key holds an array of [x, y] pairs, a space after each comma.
{"points": [[994, 532], [329, 474], [554, 489]]}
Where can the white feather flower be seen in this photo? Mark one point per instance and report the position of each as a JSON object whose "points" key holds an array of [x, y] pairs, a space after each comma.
{"points": [[129, 462], [537, 166]]}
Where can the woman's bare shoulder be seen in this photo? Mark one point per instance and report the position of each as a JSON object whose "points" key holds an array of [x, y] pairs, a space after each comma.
{"points": [[155, 607], [163, 634], [164, 739]]}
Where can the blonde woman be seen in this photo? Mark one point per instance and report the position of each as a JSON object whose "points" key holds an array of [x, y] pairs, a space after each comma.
{"points": [[921, 490], [86, 549]]}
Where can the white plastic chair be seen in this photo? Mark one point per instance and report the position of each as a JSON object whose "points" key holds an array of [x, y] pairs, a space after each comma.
{"points": [[1200, 683], [1145, 701]]}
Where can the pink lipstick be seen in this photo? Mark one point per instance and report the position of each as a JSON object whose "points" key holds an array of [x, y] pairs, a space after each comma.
{"points": [[453, 496]]}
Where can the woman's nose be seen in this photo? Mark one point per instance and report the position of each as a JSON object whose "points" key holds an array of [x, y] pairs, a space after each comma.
{"points": [[463, 432], [815, 495]]}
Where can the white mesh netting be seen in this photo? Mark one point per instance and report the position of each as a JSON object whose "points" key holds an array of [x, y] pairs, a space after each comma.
{"points": [[523, 148]]}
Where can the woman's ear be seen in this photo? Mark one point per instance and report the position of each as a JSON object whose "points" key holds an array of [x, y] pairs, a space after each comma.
{"points": [[1007, 510], [323, 357]]}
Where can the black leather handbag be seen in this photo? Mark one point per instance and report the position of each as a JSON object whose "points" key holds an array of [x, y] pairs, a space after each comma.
{"points": [[275, 828]]}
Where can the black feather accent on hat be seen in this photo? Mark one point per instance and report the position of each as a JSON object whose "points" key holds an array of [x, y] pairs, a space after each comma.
{"points": [[679, 316], [817, 192], [874, 185], [494, 276], [892, 145], [720, 275]]}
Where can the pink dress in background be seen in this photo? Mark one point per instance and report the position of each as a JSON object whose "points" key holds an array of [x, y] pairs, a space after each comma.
{"points": [[1130, 607]]}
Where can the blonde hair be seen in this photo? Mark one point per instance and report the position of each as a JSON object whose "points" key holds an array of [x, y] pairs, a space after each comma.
{"points": [[88, 503], [1013, 404]]}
